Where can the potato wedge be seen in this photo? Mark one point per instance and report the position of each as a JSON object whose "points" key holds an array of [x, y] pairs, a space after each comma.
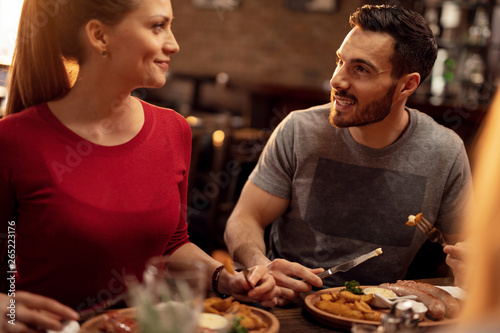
{"points": [[349, 297], [363, 307], [374, 315], [339, 309]]}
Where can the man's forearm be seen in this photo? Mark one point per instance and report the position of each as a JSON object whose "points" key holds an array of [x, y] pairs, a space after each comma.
{"points": [[246, 244], [249, 254]]}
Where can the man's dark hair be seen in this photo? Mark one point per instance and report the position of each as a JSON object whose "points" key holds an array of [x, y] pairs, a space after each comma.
{"points": [[415, 48]]}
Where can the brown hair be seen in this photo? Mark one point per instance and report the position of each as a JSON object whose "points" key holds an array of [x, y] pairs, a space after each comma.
{"points": [[48, 40], [415, 48]]}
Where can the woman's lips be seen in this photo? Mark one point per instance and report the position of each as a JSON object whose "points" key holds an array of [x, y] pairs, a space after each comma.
{"points": [[163, 64]]}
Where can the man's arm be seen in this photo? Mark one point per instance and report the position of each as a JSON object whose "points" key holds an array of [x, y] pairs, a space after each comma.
{"points": [[244, 235]]}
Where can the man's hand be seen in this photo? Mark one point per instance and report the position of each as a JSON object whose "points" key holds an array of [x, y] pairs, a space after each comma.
{"points": [[285, 274], [33, 313], [261, 286], [456, 258]]}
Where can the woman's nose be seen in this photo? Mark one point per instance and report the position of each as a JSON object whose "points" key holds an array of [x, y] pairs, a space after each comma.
{"points": [[171, 46]]}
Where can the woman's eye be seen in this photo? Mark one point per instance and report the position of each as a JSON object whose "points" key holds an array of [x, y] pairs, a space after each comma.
{"points": [[158, 27]]}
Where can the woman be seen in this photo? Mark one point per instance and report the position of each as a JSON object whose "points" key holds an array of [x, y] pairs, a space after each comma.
{"points": [[92, 180], [476, 263], [483, 262]]}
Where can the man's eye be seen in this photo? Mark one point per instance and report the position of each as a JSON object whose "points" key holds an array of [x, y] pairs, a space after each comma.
{"points": [[361, 69]]}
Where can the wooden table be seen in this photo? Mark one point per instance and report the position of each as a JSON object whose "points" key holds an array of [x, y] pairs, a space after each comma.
{"points": [[298, 320], [295, 319]]}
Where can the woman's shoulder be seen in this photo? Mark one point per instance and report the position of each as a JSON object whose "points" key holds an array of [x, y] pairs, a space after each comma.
{"points": [[162, 113], [168, 121], [20, 120]]}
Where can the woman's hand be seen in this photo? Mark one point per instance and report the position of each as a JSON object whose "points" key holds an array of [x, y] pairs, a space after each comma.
{"points": [[260, 287], [286, 273], [32, 313], [456, 259]]}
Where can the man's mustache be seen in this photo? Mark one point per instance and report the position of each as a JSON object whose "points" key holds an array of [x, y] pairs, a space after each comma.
{"points": [[344, 94]]}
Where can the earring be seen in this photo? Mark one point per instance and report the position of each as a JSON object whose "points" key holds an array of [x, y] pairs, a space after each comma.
{"points": [[104, 53]]}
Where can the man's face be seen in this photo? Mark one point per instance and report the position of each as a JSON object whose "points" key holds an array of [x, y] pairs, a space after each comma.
{"points": [[362, 86]]}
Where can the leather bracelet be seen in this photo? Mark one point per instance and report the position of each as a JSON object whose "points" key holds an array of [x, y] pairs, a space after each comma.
{"points": [[215, 282]]}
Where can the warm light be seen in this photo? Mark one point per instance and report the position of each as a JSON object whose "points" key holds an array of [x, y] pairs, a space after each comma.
{"points": [[10, 11], [218, 138], [192, 120]]}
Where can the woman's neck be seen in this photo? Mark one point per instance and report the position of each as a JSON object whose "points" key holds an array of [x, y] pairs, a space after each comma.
{"points": [[99, 111]]}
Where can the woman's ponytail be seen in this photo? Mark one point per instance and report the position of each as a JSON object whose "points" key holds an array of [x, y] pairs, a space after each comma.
{"points": [[38, 73]]}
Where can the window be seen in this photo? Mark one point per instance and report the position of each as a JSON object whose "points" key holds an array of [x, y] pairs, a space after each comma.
{"points": [[10, 10]]}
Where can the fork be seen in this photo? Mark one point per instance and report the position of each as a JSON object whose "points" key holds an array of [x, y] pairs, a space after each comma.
{"points": [[432, 233], [245, 274]]}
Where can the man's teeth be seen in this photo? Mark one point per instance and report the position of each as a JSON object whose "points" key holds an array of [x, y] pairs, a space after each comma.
{"points": [[345, 102]]}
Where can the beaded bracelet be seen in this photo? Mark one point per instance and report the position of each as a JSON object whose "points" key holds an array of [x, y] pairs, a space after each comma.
{"points": [[215, 282]]}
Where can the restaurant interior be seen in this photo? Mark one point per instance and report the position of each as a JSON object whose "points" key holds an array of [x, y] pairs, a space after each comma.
{"points": [[244, 65]]}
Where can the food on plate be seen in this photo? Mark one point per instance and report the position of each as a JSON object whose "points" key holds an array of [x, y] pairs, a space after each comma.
{"points": [[452, 306], [228, 264], [235, 311], [340, 309], [435, 306], [217, 305], [116, 322], [224, 257], [384, 292], [414, 219], [418, 308], [212, 323], [353, 287], [351, 298], [347, 304]]}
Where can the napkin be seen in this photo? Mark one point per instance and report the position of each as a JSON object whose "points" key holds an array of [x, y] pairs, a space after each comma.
{"points": [[456, 292], [71, 326]]}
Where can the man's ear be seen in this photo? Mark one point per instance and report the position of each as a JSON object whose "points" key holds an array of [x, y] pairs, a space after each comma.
{"points": [[409, 83], [95, 32]]}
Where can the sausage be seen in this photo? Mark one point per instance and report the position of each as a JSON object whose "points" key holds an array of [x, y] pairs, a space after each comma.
{"points": [[435, 307], [452, 307]]}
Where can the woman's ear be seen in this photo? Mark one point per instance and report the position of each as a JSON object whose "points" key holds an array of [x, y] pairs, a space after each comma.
{"points": [[95, 32], [409, 83]]}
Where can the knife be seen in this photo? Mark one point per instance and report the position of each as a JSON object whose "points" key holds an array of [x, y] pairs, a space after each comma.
{"points": [[102, 307], [350, 264]]}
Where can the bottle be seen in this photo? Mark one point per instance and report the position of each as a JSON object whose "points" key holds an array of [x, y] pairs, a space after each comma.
{"points": [[480, 32], [474, 68], [450, 20]]}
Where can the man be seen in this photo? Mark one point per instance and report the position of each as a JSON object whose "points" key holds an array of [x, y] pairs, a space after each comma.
{"points": [[335, 192]]}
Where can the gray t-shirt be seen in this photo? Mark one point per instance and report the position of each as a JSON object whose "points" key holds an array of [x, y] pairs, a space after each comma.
{"points": [[347, 199]]}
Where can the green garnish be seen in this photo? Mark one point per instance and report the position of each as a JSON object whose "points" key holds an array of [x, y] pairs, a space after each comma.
{"points": [[353, 287], [236, 327]]}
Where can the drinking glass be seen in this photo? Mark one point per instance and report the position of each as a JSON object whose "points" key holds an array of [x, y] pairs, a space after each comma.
{"points": [[171, 296]]}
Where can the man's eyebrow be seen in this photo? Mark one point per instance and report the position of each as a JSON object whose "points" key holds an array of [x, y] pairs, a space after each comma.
{"points": [[366, 62], [362, 61]]}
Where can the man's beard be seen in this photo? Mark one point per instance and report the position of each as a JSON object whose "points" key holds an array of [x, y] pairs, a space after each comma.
{"points": [[374, 112]]}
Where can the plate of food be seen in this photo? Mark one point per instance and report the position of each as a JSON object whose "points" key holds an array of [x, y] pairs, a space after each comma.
{"points": [[114, 321], [255, 320], [342, 308]]}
